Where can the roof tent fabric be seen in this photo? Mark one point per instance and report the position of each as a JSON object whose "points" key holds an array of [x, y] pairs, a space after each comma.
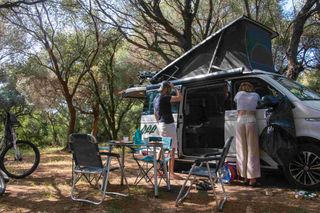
{"points": [[243, 43]]}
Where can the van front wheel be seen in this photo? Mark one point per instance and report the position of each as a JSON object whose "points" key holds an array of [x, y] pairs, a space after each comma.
{"points": [[303, 171]]}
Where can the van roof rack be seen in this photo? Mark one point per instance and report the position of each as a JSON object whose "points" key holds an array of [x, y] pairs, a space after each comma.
{"points": [[213, 75]]}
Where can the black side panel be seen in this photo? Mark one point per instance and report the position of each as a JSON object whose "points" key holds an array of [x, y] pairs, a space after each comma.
{"points": [[203, 125]]}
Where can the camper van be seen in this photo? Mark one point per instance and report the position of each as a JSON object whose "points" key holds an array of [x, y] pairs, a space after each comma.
{"points": [[209, 76]]}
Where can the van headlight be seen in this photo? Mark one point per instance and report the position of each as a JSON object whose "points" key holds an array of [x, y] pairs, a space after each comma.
{"points": [[313, 119]]}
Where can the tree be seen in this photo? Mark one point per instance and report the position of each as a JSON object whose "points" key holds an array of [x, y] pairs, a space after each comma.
{"points": [[309, 9], [165, 28], [12, 4], [107, 80], [10, 97], [69, 47]]}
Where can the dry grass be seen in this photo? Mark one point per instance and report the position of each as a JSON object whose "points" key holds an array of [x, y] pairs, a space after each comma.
{"points": [[48, 190]]}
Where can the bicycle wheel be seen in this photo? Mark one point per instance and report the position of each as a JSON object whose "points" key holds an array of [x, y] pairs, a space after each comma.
{"points": [[2, 185], [20, 162]]}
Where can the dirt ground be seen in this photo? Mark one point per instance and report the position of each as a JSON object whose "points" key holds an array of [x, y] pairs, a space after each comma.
{"points": [[48, 190]]}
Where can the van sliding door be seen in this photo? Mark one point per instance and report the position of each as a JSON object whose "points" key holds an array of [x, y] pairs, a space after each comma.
{"points": [[202, 126]]}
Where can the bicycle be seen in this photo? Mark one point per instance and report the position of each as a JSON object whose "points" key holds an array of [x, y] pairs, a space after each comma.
{"points": [[18, 158], [3, 180]]}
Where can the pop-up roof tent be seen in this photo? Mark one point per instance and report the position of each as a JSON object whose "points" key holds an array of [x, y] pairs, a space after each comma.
{"points": [[243, 43]]}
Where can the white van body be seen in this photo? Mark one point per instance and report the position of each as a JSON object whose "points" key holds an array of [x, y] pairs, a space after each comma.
{"points": [[209, 75], [306, 118]]}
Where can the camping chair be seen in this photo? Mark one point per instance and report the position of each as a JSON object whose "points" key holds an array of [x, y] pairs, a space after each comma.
{"points": [[144, 161], [202, 169], [88, 166]]}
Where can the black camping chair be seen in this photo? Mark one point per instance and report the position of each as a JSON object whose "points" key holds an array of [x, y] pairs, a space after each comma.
{"points": [[88, 166], [202, 169]]}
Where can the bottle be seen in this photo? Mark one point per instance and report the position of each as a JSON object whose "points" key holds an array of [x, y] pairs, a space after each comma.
{"points": [[137, 137]]}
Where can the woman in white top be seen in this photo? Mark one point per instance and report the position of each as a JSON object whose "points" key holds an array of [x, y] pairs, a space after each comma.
{"points": [[247, 139]]}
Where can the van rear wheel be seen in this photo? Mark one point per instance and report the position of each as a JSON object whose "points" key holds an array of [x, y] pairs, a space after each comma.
{"points": [[303, 171]]}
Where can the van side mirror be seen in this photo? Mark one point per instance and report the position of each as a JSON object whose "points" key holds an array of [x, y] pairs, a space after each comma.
{"points": [[269, 101]]}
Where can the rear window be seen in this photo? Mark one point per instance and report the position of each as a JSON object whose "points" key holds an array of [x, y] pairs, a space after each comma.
{"points": [[148, 103]]}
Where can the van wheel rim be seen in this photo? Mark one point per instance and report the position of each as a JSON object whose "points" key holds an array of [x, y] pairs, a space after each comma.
{"points": [[305, 169]]}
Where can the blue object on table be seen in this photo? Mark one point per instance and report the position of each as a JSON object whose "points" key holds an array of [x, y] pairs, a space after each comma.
{"points": [[104, 148], [137, 137]]}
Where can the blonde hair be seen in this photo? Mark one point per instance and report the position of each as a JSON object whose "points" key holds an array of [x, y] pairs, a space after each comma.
{"points": [[246, 86]]}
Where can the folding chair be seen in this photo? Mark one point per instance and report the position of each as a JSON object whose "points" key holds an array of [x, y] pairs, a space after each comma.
{"points": [[213, 173], [144, 161], [88, 166]]}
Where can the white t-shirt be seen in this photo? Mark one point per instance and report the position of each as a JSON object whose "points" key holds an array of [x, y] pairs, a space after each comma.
{"points": [[246, 100]]}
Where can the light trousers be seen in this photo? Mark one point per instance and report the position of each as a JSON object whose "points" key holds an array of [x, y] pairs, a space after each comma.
{"points": [[169, 130], [247, 146]]}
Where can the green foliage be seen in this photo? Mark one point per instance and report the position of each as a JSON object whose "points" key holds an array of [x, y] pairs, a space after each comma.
{"points": [[35, 90], [9, 95], [132, 120], [43, 128], [311, 79]]}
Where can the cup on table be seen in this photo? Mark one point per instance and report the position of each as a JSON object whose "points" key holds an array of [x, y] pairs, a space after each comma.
{"points": [[125, 139], [145, 139]]}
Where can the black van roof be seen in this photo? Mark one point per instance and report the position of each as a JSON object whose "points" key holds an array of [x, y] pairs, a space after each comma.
{"points": [[242, 43]]}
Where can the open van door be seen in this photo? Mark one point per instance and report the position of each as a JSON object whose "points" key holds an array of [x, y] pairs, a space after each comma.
{"points": [[201, 119]]}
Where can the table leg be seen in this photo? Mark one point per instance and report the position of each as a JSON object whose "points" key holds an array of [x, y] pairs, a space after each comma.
{"points": [[155, 167], [122, 163], [166, 170]]}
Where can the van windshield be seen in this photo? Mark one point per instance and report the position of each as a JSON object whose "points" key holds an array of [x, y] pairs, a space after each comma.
{"points": [[300, 91], [148, 103]]}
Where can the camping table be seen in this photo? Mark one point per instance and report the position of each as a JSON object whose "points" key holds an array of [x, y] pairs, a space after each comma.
{"points": [[153, 146]]}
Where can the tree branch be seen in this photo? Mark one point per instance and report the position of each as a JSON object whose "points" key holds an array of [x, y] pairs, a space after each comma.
{"points": [[9, 5]]}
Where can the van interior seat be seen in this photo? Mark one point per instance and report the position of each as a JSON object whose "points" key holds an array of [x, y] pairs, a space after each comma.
{"points": [[261, 91]]}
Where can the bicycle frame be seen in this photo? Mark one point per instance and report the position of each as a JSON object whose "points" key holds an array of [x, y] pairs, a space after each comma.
{"points": [[10, 136], [4, 175], [14, 153]]}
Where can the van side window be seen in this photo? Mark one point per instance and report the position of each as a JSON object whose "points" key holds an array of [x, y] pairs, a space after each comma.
{"points": [[148, 103], [261, 87]]}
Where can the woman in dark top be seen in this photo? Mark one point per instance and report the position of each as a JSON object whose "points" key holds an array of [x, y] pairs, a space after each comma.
{"points": [[163, 114]]}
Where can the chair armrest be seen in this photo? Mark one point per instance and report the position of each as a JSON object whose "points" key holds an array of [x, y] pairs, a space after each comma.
{"points": [[201, 160], [211, 154], [110, 154]]}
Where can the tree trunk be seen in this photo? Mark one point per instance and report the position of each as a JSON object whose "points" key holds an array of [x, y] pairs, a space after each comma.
{"points": [[95, 119], [54, 132], [295, 67], [247, 8], [72, 121]]}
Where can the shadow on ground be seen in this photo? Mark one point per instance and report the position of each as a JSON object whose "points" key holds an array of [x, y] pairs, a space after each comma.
{"points": [[48, 190]]}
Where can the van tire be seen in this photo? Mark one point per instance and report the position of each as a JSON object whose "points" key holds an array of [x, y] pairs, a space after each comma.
{"points": [[303, 171]]}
